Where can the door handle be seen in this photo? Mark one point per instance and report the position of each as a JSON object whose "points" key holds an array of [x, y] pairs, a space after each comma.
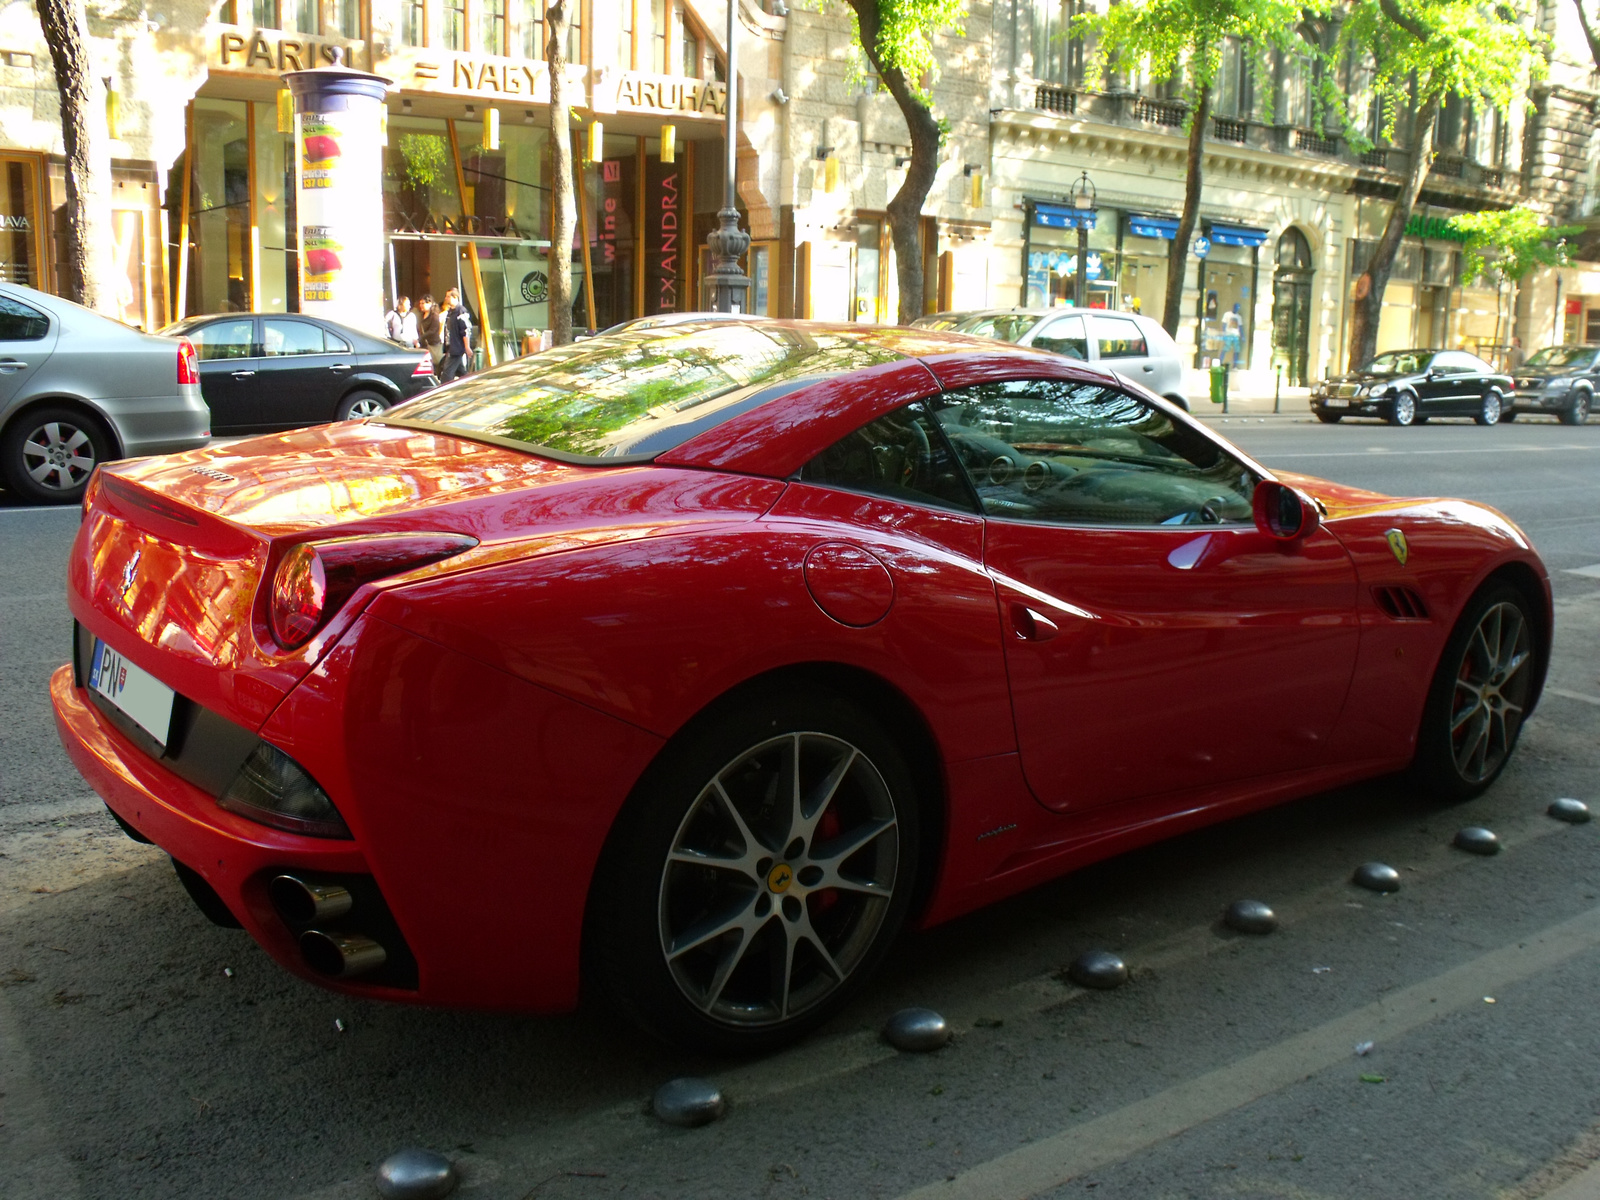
{"points": [[243, 374], [339, 367], [1031, 625], [1148, 367], [8, 365]]}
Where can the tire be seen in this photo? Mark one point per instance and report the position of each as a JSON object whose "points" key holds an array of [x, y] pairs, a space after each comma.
{"points": [[358, 406], [47, 454], [1329, 418], [750, 954], [1179, 401], [1479, 695], [1490, 409], [1402, 409], [1577, 413], [1507, 415]]}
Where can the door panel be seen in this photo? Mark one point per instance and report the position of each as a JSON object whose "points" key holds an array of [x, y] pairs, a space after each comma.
{"points": [[1179, 657], [27, 338], [229, 369], [301, 380]]}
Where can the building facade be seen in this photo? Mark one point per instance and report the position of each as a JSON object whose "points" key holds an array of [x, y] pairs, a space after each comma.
{"points": [[1037, 153]]}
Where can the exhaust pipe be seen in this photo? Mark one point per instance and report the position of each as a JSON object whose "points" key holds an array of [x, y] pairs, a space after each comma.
{"points": [[300, 903], [341, 955]]}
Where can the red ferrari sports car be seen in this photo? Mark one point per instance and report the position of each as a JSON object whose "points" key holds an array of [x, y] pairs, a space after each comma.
{"points": [[690, 664]]}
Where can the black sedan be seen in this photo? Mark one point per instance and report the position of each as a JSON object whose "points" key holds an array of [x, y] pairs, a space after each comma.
{"points": [[265, 371], [1407, 387], [1559, 380]]}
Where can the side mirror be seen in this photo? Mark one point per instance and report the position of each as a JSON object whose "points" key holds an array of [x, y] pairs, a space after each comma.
{"points": [[1284, 513]]}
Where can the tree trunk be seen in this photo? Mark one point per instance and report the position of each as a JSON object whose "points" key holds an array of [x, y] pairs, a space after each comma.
{"points": [[557, 20], [1588, 32], [1178, 252], [1367, 306], [905, 209], [87, 265]]}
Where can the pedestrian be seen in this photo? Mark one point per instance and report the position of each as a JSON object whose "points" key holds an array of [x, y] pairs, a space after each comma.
{"points": [[1515, 356], [430, 329], [394, 320], [1232, 333], [457, 338], [408, 323]]}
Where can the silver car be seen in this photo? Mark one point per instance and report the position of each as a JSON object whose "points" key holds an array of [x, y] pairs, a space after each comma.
{"points": [[1129, 344], [77, 389]]}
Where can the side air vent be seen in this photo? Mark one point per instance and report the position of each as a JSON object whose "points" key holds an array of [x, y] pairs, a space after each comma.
{"points": [[1401, 603]]}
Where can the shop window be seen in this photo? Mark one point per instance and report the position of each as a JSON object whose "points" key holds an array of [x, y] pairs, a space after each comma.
{"points": [[414, 22], [491, 27], [19, 222], [455, 24]]}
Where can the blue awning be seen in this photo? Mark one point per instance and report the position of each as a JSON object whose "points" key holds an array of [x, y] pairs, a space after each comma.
{"points": [[1237, 235], [1143, 225], [1063, 216]]}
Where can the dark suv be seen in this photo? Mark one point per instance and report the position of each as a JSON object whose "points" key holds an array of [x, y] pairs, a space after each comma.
{"points": [[1559, 380]]}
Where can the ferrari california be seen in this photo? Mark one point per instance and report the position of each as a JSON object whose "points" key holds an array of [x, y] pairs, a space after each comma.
{"points": [[685, 667]]}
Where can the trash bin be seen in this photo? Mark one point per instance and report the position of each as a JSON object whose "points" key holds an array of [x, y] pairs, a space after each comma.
{"points": [[1219, 385]]}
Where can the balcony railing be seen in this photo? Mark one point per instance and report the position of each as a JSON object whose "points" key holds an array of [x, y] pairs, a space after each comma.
{"points": [[1225, 129], [1315, 143], [1159, 112], [1055, 99], [1449, 168], [1378, 157]]}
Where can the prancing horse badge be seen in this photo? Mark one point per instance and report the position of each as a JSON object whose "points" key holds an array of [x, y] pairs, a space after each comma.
{"points": [[1397, 543]]}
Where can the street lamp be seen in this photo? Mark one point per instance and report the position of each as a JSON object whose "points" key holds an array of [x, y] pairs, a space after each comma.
{"points": [[1082, 198], [730, 286]]}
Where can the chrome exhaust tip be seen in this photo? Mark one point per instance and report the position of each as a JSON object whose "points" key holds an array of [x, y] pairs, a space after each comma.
{"points": [[341, 955], [300, 903]]}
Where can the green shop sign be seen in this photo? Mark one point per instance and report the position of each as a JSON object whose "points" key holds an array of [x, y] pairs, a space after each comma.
{"points": [[1433, 227]]}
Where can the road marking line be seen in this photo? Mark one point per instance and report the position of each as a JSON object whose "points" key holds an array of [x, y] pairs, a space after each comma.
{"points": [[1555, 691], [1402, 453], [1593, 572], [1048, 1163], [36, 508]]}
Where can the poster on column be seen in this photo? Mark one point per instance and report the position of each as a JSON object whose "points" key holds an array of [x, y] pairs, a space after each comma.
{"points": [[340, 207]]}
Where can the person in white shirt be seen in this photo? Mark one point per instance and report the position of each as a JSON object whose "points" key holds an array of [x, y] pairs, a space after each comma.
{"points": [[400, 323]]}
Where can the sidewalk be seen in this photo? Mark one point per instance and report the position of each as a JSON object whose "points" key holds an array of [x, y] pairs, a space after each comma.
{"points": [[1293, 403]]}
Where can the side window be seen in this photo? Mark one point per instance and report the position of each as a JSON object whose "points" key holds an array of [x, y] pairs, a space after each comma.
{"points": [[1064, 336], [1451, 362], [335, 343], [225, 339], [19, 323], [900, 455], [1118, 338], [1087, 454], [290, 337]]}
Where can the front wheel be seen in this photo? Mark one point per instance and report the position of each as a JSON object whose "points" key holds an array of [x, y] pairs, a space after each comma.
{"points": [[1577, 412], [1329, 418], [758, 876], [1479, 695], [47, 455], [358, 406], [1403, 409], [1489, 409]]}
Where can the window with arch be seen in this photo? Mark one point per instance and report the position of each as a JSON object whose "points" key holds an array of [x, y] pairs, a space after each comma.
{"points": [[1294, 251]]}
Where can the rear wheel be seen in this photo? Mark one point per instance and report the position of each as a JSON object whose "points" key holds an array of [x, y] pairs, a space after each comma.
{"points": [[1402, 409], [358, 406], [1489, 409], [1577, 412], [1329, 418], [48, 454], [758, 876], [1507, 415], [1479, 695]]}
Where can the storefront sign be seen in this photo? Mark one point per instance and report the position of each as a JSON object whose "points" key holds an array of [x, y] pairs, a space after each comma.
{"points": [[271, 52], [1433, 227], [663, 228], [659, 95]]}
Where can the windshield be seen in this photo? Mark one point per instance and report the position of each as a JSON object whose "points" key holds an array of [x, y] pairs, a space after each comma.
{"points": [[638, 393], [1008, 327], [1399, 362], [1561, 356]]}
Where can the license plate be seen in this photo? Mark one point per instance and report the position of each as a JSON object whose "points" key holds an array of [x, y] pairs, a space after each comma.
{"points": [[1335, 402], [134, 691]]}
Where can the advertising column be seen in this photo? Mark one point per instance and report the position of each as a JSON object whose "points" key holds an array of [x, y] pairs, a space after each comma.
{"points": [[339, 124]]}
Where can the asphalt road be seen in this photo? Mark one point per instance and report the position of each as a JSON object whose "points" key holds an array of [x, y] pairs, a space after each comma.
{"points": [[133, 1064]]}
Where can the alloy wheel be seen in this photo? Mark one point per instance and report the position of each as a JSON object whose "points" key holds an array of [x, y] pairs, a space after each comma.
{"points": [[1491, 692], [58, 456], [778, 879], [367, 406], [1580, 408], [1490, 413], [1404, 409]]}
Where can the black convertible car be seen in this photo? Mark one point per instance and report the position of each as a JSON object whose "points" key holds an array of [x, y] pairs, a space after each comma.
{"points": [[1558, 380], [265, 371], [1406, 387]]}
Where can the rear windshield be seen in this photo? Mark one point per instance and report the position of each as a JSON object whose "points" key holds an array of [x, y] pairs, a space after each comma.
{"points": [[1561, 356], [639, 393]]}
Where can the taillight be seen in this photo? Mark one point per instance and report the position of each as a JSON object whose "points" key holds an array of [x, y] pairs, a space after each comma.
{"points": [[188, 364], [315, 578], [423, 369]]}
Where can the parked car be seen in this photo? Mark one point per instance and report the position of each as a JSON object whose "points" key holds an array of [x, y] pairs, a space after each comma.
{"points": [[268, 371], [941, 321], [697, 686], [1127, 343], [1407, 387], [669, 319], [1559, 380], [78, 389]]}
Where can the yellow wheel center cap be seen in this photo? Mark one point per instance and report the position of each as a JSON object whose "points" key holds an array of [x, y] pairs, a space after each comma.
{"points": [[780, 877]]}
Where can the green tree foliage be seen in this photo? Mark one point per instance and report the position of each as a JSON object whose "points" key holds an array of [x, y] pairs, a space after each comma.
{"points": [[1184, 38], [1511, 243], [897, 37], [1422, 51]]}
